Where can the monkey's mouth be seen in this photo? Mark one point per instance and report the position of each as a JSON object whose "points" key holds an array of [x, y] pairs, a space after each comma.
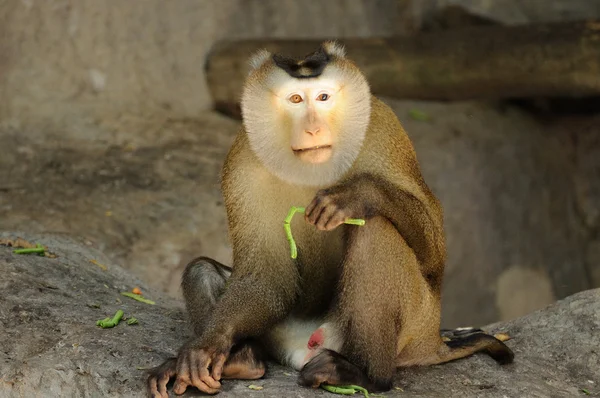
{"points": [[312, 148], [314, 154]]}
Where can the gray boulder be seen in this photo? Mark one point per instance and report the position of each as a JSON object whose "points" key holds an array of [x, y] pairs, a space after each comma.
{"points": [[50, 345]]}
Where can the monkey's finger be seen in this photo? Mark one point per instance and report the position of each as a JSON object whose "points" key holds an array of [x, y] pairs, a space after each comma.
{"points": [[183, 376], [162, 384], [205, 384], [316, 206], [199, 373], [204, 381], [335, 221], [311, 206], [183, 369], [153, 388], [327, 214], [310, 217], [208, 390], [217, 367], [180, 385], [209, 381], [195, 379], [314, 216]]}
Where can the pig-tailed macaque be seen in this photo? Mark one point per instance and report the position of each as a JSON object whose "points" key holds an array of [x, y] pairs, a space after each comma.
{"points": [[358, 301]]}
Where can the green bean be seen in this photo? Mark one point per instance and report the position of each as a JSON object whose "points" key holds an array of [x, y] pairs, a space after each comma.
{"points": [[138, 297], [38, 249], [110, 322], [345, 390], [288, 229]]}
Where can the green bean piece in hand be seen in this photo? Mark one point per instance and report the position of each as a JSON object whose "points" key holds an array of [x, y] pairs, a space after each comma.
{"points": [[288, 229]]}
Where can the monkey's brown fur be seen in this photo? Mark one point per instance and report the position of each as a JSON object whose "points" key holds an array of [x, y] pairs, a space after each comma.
{"points": [[380, 284]]}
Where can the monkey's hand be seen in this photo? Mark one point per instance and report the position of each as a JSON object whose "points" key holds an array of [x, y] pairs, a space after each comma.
{"points": [[332, 206], [194, 361]]}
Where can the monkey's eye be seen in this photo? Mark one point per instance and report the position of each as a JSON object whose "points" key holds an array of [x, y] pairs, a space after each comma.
{"points": [[295, 99], [323, 97]]}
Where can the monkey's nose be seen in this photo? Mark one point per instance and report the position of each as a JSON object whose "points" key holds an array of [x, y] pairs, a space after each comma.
{"points": [[313, 131]]}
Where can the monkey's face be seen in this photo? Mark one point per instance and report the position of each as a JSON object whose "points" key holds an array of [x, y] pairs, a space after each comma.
{"points": [[308, 108], [306, 120]]}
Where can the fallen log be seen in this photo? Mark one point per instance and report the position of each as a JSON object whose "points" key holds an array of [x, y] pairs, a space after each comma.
{"points": [[477, 62]]}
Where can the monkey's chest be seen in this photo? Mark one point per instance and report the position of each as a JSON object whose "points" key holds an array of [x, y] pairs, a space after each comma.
{"points": [[318, 249], [313, 245]]}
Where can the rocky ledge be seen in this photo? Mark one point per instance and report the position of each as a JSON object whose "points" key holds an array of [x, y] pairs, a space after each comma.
{"points": [[51, 346]]}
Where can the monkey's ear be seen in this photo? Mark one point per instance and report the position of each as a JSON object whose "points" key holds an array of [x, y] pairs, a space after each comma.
{"points": [[334, 48], [258, 58]]}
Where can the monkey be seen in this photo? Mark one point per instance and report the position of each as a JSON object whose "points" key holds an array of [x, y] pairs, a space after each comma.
{"points": [[358, 301]]}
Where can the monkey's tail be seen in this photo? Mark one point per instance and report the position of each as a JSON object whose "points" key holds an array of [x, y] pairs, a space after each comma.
{"points": [[463, 342]]}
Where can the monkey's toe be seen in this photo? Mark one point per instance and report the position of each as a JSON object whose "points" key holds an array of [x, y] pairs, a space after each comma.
{"points": [[246, 362], [243, 371]]}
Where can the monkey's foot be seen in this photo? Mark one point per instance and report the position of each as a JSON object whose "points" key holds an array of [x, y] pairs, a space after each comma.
{"points": [[159, 378], [245, 363], [332, 368]]}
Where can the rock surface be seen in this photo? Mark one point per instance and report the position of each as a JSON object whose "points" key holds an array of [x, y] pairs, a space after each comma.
{"points": [[149, 197], [51, 347]]}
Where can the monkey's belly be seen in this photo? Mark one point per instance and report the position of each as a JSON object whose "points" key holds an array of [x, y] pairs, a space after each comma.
{"points": [[288, 341], [293, 342]]}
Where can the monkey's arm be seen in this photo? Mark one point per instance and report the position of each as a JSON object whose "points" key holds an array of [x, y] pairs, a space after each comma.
{"points": [[263, 284], [405, 201]]}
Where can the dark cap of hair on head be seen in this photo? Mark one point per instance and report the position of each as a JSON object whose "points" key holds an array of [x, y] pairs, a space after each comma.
{"points": [[311, 66]]}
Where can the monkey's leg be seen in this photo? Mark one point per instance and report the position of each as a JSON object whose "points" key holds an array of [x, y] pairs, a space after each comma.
{"points": [[367, 310], [203, 283]]}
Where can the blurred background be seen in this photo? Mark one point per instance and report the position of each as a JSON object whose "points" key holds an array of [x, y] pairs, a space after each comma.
{"points": [[115, 118]]}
